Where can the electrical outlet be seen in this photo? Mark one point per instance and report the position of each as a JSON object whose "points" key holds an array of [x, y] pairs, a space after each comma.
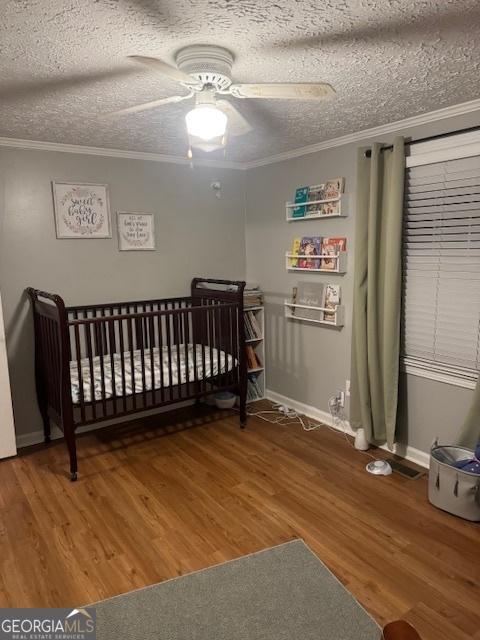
{"points": [[347, 388], [340, 398]]}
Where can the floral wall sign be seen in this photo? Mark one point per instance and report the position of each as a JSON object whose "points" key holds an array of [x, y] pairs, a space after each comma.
{"points": [[135, 231], [81, 210]]}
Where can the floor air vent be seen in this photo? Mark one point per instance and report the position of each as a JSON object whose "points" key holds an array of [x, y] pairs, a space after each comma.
{"points": [[406, 471]]}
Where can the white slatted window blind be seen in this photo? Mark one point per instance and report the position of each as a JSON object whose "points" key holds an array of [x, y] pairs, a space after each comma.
{"points": [[441, 305]]}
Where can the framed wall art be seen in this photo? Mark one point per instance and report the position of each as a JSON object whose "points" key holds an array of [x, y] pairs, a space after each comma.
{"points": [[82, 210], [136, 231]]}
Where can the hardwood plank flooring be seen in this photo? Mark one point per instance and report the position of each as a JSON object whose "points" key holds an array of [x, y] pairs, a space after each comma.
{"points": [[160, 499]]}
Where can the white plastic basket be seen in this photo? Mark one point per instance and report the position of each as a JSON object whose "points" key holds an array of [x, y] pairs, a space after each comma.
{"points": [[452, 489]]}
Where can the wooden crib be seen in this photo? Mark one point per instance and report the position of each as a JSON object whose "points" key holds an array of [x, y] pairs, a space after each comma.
{"points": [[103, 361]]}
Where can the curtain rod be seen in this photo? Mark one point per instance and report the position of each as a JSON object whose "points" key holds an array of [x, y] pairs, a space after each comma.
{"points": [[438, 136]]}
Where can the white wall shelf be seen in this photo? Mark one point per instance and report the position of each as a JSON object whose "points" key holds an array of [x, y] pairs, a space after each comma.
{"points": [[315, 215], [339, 258], [258, 344], [338, 311]]}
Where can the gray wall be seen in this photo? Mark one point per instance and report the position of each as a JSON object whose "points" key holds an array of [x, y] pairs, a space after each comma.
{"points": [[310, 362], [196, 233]]}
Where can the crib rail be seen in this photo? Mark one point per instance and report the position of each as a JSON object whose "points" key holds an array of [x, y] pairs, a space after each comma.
{"points": [[123, 362]]}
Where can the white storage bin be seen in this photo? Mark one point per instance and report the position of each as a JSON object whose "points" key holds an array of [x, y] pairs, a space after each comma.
{"points": [[451, 489]]}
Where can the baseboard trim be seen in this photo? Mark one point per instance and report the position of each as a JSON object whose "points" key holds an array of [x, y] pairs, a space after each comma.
{"points": [[37, 437], [404, 451]]}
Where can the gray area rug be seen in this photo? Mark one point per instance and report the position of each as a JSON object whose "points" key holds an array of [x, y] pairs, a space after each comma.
{"points": [[282, 593]]}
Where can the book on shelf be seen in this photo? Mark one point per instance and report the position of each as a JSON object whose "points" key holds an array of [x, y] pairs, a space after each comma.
{"points": [[253, 329], [301, 196], [308, 199], [256, 327], [309, 248], [248, 327], [309, 294], [294, 299], [331, 208], [315, 192], [254, 389], [253, 361], [334, 188], [252, 295], [295, 251], [331, 299], [332, 247]]}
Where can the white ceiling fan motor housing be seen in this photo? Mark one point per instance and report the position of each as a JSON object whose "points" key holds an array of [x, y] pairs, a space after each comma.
{"points": [[209, 64]]}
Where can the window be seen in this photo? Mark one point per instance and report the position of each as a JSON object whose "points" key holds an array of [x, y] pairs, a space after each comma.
{"points": [[441, 295]]}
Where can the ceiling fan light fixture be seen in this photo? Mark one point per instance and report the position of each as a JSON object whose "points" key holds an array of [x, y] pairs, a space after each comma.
{"points": [[206, 122]]}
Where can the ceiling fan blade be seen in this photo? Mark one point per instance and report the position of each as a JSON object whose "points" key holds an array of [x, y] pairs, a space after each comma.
{"points": [[283, 91], [151, 105], [407, 25], [45, 87], [159, 14], [237, 124], [167, 70]]}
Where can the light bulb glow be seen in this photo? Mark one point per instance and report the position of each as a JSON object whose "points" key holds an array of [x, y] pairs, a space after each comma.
{"points": [[206, 122]]}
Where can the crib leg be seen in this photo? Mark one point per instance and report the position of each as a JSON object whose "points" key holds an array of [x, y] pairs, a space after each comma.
{"points": [[46, 427], [72, 450], [243, 409]]}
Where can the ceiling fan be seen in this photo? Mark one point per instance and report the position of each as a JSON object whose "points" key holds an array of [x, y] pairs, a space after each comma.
{"points": [[205, 71]]}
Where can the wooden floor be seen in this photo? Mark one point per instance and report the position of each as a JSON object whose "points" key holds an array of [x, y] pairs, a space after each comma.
{"points": [[155, 503]]}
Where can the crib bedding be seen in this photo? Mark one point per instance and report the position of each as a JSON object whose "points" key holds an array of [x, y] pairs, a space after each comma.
{"points": [[209, 363]]}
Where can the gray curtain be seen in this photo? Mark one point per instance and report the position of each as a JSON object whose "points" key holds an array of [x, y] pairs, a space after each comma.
{"points": [[470, 433], [377, 292]]}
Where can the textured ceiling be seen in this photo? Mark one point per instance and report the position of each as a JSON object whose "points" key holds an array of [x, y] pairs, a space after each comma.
{"points": [[63, 64]]}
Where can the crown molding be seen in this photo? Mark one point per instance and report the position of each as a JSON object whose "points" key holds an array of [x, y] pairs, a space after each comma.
{"points": [[384, 129], [38, 145], [392, 127]]}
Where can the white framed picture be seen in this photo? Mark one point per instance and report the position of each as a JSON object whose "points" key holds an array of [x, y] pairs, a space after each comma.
{"points": [[136, 231], [82, 210]]}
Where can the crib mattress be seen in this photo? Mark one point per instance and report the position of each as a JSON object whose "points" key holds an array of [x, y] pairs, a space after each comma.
{"points": [[207, 365]]}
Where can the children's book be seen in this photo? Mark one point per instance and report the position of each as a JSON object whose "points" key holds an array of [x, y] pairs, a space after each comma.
{"points": [[333, 208], [309, 248], [332, 247], [294, 299], [315, 193], [309, 294], [325, 191], [334, 188], [301, 196], [253, 361], [331, 298], [295, 251]]}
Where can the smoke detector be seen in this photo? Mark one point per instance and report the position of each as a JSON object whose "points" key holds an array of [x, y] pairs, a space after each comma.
{"points": [[209, 64]]}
